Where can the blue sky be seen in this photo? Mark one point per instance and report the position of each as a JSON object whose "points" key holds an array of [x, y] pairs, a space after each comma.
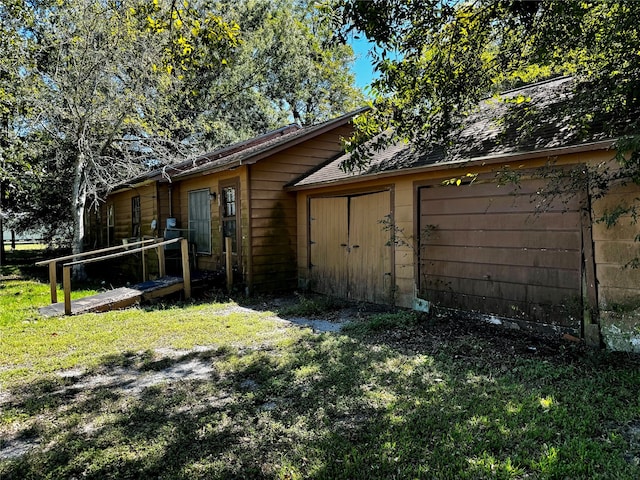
{"points": [[362, 67]]}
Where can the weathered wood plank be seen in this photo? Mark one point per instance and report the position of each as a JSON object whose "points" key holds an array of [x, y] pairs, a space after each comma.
{"points": [[504, 273], [53, 282], [117, 298], [526, 257], [505, 239], [555, 221], [492, 251], [495, 204]]}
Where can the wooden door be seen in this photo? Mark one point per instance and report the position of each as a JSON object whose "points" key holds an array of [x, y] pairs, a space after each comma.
{"points": [[369, 259], [493, 250], [350, 255], [329, 237]]}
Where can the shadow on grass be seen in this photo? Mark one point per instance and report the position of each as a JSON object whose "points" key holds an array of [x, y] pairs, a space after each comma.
{"points": [[21, 263], [334, 406]]}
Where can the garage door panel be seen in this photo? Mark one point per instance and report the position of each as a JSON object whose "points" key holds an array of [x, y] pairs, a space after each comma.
{"points": [[497, 204], [491, 251], [514, 239], [555, 314], [526, 275], [540, 294], [501, 221], [485, 188], [546, 258]]}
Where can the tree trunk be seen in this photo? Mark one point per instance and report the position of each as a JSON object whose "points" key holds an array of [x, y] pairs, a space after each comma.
{"points": [[78, 202], [2, 253]]}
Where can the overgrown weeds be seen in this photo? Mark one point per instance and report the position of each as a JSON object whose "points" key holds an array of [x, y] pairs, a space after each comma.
{"points": [[312, 305], [379, 322]]}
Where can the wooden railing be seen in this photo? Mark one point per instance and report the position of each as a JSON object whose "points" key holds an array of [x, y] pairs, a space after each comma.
{"points": [[96, 256]]}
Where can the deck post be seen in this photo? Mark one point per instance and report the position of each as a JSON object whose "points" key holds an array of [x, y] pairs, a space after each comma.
{"points": [[66, 285], [161, 264], [53, 282], [186, 273], [143, 255], [229, 259]]}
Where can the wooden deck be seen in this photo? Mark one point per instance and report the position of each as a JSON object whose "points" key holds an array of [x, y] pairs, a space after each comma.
{"points": [[118, 298]]}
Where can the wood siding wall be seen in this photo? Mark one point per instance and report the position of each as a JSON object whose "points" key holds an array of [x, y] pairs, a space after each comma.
{"points": [[180, 194], [128, 269], [615, 247], [273, 210], [502, 251], [121, 202]]}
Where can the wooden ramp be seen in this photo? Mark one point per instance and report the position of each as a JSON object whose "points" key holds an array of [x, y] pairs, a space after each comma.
{"points": [[118, 298]]}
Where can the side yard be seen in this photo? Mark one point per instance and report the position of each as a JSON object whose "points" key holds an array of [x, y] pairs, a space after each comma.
{"points": [[224, 389]]}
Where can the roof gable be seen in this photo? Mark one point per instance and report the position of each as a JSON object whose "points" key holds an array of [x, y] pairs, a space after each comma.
{"points": [[245, 152]]}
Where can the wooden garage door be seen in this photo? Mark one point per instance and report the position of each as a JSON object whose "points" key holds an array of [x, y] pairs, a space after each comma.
{"points": [[496, 251], [349, 252]]}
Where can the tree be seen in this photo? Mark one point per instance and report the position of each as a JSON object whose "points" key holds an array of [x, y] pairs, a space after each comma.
{"points": [[437, 59], [114, 87], [108, 90], [304, 69], [13, 167], [286, 68]]}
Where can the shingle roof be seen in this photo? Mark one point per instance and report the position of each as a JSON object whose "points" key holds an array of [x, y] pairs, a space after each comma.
{"points": [[535, 117], [248, 151]]}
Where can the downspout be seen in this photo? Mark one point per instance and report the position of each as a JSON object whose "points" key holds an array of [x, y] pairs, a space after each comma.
{"points": [[170, 201]]}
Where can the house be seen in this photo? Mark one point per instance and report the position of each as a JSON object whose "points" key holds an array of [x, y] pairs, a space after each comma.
{"points": [[503, 224], [235, 192]]}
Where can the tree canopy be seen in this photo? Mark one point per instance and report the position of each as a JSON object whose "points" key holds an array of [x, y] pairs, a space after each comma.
{"points": [[95, 91], [438, 58]]}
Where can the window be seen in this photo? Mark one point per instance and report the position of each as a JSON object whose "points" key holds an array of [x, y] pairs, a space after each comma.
{"points": [[111, 224], [200, 221], [229, 224], [135, 216]]}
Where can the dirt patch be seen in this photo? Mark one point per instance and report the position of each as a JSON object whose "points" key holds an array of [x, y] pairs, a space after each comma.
{"points": [[132, 381]]}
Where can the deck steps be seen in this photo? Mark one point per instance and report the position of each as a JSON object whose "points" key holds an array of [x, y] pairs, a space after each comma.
{"points": [[118, 298]]}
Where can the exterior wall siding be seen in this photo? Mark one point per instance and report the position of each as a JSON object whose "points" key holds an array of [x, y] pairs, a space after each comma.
{"points": [[274, 211], [617, 288], [121, 202], [616, 248], [180, 194]]}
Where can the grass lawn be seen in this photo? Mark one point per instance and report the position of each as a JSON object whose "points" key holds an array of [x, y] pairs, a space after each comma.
{"points": [[216, 390]]}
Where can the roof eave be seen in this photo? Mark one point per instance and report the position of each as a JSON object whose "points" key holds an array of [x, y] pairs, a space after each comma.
{"points": [[130, 186], [473, 162]]}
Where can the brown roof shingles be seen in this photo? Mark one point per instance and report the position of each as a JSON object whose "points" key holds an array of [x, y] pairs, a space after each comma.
{"points": [[249, 150], [536, 117]]}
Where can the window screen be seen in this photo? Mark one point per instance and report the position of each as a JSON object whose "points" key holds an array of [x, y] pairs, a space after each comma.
{"points": [[200, 220], [229, 226], [135, 216], [111, 223]]}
